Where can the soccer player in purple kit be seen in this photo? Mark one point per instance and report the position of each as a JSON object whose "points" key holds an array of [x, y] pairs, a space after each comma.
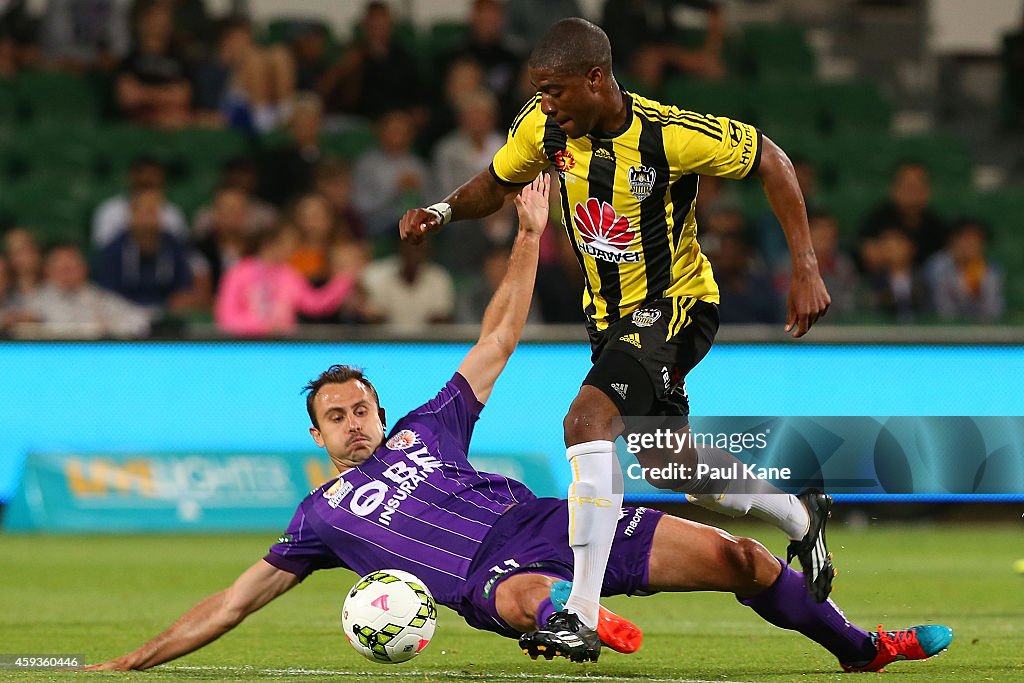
{"points": [[482, 543]]}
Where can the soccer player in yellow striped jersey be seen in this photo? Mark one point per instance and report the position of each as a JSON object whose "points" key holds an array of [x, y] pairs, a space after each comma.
{"points": [[629, 169]]}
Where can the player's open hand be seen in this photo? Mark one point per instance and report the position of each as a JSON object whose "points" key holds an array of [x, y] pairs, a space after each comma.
{"points": [[532, 204], [112, 665], [808, 301], [416, 224]]}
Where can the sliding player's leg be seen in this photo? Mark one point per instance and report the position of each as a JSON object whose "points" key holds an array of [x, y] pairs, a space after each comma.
{"points": [[686, 556]]}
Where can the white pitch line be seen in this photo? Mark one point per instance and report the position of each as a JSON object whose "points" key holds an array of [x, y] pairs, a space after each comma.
{"points": [[417, 673]]}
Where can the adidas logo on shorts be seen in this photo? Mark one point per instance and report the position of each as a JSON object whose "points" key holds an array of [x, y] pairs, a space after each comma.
{"points": [[620, 389], [633, 339]]}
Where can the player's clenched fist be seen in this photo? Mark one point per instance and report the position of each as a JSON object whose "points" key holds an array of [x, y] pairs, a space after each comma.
{"points": [[418, 223]]}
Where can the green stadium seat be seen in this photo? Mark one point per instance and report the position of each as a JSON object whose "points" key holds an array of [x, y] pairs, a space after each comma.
{"points": [[725, 98], [788, 104], [348, 144], [853, 106], [48, 210], [778, 52], [54, 96]]}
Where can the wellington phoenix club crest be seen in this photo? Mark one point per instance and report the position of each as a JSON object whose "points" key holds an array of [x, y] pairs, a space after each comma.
{"points": [[604, 234], [641, 181]]}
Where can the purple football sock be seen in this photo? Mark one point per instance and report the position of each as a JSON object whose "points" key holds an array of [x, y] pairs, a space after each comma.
{"points": [[544, 610], [787, 604]]}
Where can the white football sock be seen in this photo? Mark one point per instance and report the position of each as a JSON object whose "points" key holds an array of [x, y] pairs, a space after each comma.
{"points": [[754, 497], [595, 502]]}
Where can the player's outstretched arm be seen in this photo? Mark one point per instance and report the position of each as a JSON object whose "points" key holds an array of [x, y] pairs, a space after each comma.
{"points": [[209, 619], [808, 299], [480, 196], [507, 311]]}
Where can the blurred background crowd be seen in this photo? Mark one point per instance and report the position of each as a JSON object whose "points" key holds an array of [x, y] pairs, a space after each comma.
{"points": [[167, 163]]}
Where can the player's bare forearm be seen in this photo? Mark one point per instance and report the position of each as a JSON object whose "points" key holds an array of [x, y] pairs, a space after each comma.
{"points": [[208, 620], [808, 299], [480, 196], [507, 311], [787, 201]]}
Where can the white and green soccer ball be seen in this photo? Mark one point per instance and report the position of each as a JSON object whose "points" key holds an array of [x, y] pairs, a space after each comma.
{"points": [[389, 616]]}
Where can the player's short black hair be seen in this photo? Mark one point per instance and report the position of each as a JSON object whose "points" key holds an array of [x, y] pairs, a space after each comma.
{"points": [[573, 46], [336, 374]]}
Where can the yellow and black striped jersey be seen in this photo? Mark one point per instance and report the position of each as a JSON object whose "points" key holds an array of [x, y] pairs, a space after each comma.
{"points": [[628, 196]]}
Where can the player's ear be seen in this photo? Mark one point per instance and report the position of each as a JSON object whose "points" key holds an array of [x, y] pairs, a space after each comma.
{"points": [[595, 78], [315, 433]]}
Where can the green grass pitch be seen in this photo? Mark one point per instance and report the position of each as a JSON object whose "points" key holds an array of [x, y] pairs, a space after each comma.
{"points": [[101, 596]]}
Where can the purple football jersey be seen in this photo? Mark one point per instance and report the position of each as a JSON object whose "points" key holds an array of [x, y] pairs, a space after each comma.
{"points": [[416, 504]]}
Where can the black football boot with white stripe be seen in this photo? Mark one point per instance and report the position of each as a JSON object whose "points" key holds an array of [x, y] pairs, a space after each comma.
{"points": [[812, 549], [562, 636]]}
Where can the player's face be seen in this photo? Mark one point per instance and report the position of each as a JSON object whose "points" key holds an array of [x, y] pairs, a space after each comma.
{"points": [[351, 423], [573, 101]]}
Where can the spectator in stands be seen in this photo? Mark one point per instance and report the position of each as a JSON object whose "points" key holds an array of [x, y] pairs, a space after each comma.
{"points": [[309, 42], [559, 279], [227, 232], [714, 194], [152, 84], [964, 284], [462, 154], [486, 45], [145, 264], [193, 30], [242, 174], [645, 36], [244, 85], [389, 178], [897, 288], [908, 209], [838, 269], [85, 35], [462, 75], [316, 230], [334, 183], [527, 19], [22, 251], [8, 301], [262, 294], [18, 48], [286, 172], [110, 219], [376, 73], [68, 305], [746, 290], [408, 290], [472, 300]]}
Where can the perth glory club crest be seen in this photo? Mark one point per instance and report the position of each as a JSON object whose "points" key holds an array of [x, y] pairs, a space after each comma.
{"points": [[641, 181]]}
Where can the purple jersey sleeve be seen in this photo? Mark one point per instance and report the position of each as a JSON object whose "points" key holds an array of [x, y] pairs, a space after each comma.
{"points": [[455, 408], [299, 550]]}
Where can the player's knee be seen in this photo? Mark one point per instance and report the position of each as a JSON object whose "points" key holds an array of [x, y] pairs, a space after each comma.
{"points": [[590, 417], [748, 558]]}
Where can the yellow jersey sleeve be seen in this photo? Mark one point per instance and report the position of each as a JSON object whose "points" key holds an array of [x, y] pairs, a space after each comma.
{"points": [[522, 158], [722, 147]]}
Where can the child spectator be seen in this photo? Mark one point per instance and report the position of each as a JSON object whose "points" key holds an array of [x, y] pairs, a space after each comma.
{"points": [[262, 294], [965, 285]]}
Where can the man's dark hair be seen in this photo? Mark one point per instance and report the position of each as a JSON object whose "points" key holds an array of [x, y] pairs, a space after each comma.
{"points": [[573, 46], [336, 374]]}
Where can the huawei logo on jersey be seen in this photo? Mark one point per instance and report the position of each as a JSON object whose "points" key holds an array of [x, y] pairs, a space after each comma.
{"points": [[603, 234]]}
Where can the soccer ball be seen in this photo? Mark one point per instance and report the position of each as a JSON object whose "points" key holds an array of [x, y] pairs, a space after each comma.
{"points": [[389, 616]]}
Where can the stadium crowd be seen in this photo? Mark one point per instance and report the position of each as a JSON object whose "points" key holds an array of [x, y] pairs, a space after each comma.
{"points": [[291, 232]]}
